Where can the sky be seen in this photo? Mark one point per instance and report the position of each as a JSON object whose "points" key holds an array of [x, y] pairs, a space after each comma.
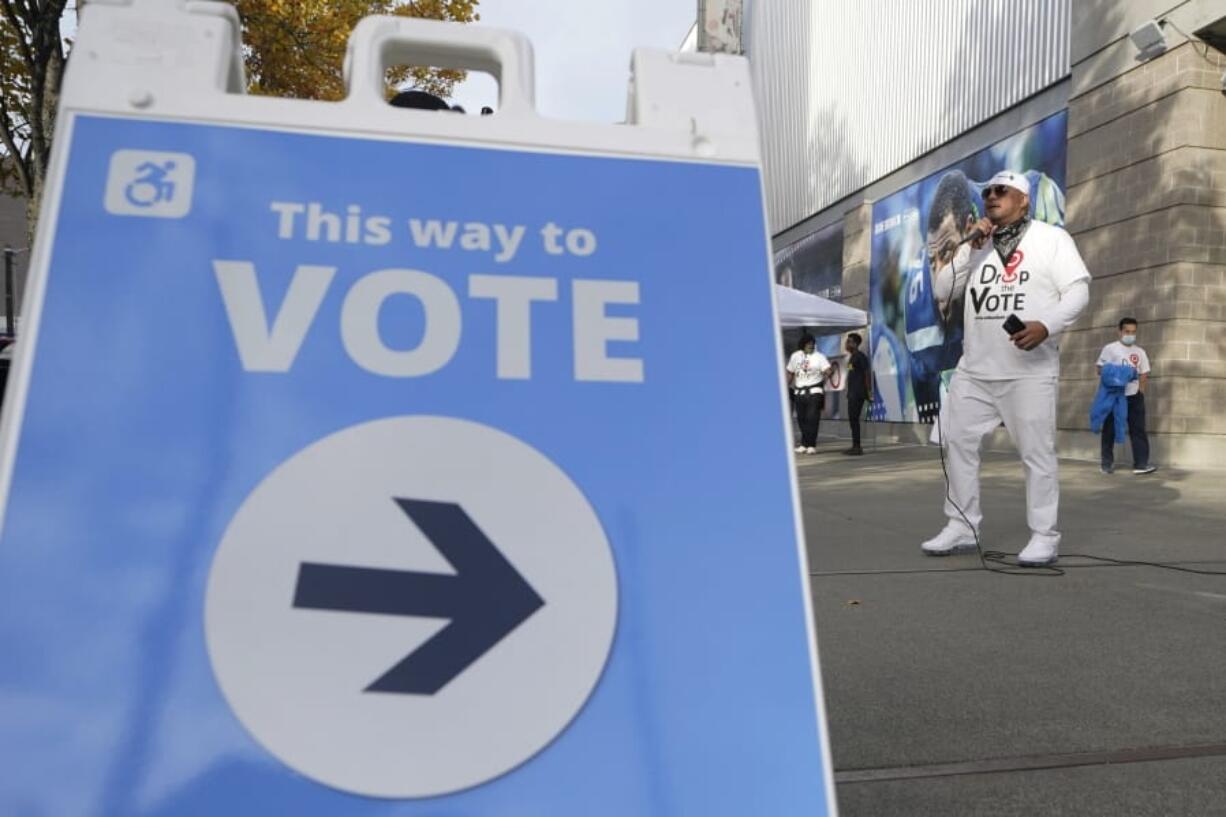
{"points": [[582, 50]]}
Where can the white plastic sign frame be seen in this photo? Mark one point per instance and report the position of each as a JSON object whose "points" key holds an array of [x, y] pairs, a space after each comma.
{"points": [[376, 461]]}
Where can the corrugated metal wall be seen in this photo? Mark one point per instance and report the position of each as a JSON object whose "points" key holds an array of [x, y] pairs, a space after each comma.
{"points": [[850, 90]]}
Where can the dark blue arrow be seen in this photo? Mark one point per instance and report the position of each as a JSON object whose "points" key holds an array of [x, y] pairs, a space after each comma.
{"points": [[485, 600]]}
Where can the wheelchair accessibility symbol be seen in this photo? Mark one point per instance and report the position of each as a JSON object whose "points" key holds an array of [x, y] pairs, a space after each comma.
{"points": [[148, 189], [150, 183]]}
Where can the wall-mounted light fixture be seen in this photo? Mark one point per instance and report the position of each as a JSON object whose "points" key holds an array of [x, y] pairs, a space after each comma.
{"points": [[1149, 39]]}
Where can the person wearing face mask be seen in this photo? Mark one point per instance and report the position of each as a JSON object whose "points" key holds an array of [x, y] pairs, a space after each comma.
{"points": [[1020, 268], [806, 371], [1126, 351]]}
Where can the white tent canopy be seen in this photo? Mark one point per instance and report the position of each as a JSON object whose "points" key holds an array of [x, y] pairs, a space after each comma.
{"points": [[798, 308]]}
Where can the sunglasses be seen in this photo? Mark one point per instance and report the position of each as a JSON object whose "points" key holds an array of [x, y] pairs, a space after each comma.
{"points": [[996, 190]]}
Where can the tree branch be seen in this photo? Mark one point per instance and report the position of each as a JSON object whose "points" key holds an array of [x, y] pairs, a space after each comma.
{"points": [[8, 137], [27, 9], [47, 50]]}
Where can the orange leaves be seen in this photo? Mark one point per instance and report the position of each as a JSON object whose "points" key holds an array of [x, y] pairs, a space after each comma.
{"points": [[295, 48]]}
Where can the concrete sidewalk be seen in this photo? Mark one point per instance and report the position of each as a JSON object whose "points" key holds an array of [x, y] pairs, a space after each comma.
{"points": [[954, 691]]}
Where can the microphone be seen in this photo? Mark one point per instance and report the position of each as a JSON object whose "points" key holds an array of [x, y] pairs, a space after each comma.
{"points": [[975, 235]]}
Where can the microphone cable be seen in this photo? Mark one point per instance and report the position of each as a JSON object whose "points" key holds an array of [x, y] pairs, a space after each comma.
{"points": [[993, 561], [997, 561]]}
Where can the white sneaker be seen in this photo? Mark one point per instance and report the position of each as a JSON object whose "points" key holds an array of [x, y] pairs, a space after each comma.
{"points": [[1039, 552], [800, 449], [954, 538], [810, 450]]}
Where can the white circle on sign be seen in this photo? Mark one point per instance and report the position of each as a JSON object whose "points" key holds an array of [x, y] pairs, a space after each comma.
{"points": [[295, 663]]}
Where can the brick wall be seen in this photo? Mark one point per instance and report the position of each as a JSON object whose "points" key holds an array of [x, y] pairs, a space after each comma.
{"points": [[1147, 206]]}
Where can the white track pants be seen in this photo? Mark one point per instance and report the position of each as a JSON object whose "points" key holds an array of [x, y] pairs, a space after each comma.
{"points": [[973, 409]]}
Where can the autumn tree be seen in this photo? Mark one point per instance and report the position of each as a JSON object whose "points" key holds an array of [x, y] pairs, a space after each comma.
{"points": [[32, 55], [296, 47]]}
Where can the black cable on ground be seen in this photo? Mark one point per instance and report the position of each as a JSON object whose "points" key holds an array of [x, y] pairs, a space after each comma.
{"points": [[987, 559], [1140, 563], [997, 561], [1012, 568]]}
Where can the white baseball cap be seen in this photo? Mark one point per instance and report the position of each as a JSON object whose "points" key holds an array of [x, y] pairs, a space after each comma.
{"points": [[1008, 178]]}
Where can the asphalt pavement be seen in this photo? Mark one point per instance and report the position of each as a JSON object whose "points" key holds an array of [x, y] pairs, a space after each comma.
{"points": [[952, 690]]}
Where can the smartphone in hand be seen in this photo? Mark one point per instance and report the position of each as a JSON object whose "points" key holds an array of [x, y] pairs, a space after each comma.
{"points": [[1013, 324]]}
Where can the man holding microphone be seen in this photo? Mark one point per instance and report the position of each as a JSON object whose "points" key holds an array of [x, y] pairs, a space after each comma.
{"points": [[1024, 284]]}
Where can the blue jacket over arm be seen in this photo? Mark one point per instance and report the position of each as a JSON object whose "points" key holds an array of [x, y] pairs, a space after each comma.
{"points": [[1111, 401]]}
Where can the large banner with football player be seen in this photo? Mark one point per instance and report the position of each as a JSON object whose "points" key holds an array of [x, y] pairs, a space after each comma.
{"points": [[916, 340]]}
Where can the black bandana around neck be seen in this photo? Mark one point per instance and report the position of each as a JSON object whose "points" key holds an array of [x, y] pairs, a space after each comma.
{"points": [[1007, 238]]}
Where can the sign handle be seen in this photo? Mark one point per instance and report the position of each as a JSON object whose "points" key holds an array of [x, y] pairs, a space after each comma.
{"points": [[380, 42]]}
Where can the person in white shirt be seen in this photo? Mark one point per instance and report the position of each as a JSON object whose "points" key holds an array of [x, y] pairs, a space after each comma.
{"points": [[1125, 350], [806, 371], [1032, 270]]}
